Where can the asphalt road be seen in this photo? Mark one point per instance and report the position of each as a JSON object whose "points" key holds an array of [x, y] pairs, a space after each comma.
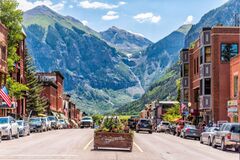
{"points": [[76, 144]]}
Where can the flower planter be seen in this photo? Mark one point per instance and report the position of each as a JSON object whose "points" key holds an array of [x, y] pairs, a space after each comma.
{"points": [[117, 141]]}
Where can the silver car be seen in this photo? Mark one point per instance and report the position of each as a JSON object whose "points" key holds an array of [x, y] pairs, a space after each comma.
{"points": [[9, 127], [47, 123], [24, 128], [228, 136], [163, 126], [207, 136]]}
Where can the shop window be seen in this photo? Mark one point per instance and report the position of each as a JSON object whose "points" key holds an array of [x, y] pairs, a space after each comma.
{"points": [[235, 86], [207, 86], [228, 51], [207, 54], [186, 69]]}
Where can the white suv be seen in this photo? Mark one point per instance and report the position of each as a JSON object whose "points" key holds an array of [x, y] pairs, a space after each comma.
{"points": [[9, 127]]}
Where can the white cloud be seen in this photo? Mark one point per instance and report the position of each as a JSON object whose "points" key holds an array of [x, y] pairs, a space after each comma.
{"points": [[27, 4], [189, 20], [99, 5], [85, 23], [111, 15], [147, 17], [138, 34], [70, 6]]}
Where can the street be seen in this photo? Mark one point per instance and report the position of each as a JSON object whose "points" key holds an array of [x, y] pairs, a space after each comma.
{"points": [[78, 144]]}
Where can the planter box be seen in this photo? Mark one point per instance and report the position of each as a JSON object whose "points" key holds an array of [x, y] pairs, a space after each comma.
{"points": [[108, 140]]}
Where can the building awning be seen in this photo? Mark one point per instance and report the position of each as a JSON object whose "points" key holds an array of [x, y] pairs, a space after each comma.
{"points": [[62, 116], [42, 115], [55, 114]]}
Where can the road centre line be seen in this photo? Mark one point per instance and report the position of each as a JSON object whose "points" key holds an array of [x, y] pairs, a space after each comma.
{"points": [[138, 147], [88, 144]]}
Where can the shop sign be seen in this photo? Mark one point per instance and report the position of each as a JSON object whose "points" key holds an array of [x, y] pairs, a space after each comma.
{"points": [[232, 109], [232, 103]]}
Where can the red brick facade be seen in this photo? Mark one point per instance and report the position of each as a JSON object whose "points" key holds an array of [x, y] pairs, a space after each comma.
{"points": [[205, 73], [3, 63], [234, 90], [53, 90]]}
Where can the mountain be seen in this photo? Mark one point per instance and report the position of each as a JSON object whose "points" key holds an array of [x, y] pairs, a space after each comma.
{"points": [[224, 15], [163, 89], [125, 41], [160, 56], [94, 72]]}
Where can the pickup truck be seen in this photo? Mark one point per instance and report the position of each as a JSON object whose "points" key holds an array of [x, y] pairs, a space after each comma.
{"points": [[228, 136], [86, 122]]}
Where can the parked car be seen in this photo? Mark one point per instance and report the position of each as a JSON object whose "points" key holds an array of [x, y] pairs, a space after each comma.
{"points": [[54, 122], [47, 123], [24, 128], [9, 127], [36, 124], [180, 126], [172, 129], [86, 122], [63, 124], [144, 125], [132, 122], [190, 131], [228, 136], [207, 136], [163, 126], [0, 135]]}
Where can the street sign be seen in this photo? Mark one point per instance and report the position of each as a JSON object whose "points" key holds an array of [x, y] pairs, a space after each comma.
{"points": [[232, 103], [232, 109]]}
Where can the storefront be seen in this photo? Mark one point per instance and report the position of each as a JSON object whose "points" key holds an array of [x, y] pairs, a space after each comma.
{"points": [[233, 108]]}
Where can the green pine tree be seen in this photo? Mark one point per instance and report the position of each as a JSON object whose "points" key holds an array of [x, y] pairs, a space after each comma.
{"points": [[36, 104], [12, 18]]}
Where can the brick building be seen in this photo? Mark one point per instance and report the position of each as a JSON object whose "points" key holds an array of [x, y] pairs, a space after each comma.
{"points": [[3, 65], [53, 90], [205, 73], [19, 76], [234, 102]]}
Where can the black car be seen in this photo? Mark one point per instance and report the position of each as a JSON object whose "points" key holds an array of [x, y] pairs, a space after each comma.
{"points": [[144, 125]]}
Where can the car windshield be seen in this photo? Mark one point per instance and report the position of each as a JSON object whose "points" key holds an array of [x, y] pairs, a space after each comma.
{"points": [[3, 120], [145, 121], [191, 126], [20, 123], [235, 129], [51, 118], [165, 123], [61, 120], [34, 120], [43, 119], [87, 118]]}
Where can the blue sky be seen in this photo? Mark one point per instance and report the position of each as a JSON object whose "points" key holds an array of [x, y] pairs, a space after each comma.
{"points": [[152, 18]]}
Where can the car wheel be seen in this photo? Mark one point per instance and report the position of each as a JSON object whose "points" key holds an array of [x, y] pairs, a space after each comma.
{"points": [[223, 147], [0, 137], [214, 143], [150, 132], [201, 141], [237, 149], [10, 135], [17, 135], [209, 141], [137, 131]]}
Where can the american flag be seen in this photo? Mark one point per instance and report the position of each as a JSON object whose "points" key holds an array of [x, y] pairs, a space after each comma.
{"points": [[5, 97]]}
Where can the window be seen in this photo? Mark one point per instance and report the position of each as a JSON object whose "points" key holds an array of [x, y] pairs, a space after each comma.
{"points": [[197, 64], [194, 62], [3, 53], [235, 86], [201, 87], [207, 86], [185, 94], [207, 54], [201, 56], [228, 51], [186, 69]]}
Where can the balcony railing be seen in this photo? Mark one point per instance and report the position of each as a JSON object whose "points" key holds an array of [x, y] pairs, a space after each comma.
{"points": [[205, 101]]}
